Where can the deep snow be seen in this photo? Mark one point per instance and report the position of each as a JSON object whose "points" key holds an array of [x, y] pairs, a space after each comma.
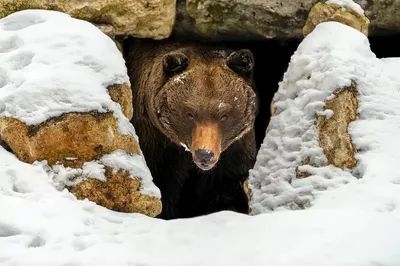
{"points": [[351, 221]]}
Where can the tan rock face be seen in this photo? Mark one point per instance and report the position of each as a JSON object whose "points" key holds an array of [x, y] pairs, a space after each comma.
{"points": [[334, 137], [8, 7], [68, 121], [143, 18], [76, 138], [332, 12], [84, 136], [120, 193], [122, 94]]}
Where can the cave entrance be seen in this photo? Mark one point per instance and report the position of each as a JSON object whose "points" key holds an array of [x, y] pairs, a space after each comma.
{"points": [[271, 61]]}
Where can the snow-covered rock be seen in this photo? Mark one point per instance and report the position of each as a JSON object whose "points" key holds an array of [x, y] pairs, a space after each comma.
{"points": [[344, 11], [333, 58], [65, 99]]}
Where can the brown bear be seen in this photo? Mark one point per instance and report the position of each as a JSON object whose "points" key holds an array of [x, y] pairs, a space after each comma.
{"points": [[194, 112]]}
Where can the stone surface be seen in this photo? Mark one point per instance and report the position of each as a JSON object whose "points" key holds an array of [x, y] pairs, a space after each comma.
{"points": [[143, 19], [122, 94], [259, 19], [383, 14], [255, 19], [334, 137], [332, 12], [119, 193], [84, 136]]}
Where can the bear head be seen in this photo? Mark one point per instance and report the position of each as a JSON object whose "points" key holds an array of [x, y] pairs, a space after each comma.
{"points": [[206, 100]]}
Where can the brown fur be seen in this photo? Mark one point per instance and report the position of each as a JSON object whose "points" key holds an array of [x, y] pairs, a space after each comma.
{"points": [[206, 106]]}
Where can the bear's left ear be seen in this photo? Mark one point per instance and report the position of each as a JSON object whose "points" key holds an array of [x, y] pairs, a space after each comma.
{"points": [[242, 62]]}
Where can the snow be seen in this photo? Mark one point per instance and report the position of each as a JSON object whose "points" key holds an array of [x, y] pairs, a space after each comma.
{"points": [[185, 147], [347, 3], [352, 216], [40, 225], [330, 58], [117, 160], [49, 66], [52, 64]]}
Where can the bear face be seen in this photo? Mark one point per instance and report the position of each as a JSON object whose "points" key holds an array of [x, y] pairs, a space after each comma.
{"points": [[206, 100]]}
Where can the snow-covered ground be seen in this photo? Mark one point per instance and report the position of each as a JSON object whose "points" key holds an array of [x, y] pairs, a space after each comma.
{"points": [[351, 221], [42, 226]]}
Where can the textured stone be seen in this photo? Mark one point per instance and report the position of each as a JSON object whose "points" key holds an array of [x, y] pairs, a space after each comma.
{"points": [[122, 94], [383, 14], [8, 7], [255, 19], [84, 136], [120, 192], [334, 137], [259, 19], [143, 19], [247, 191], [332, 12]]}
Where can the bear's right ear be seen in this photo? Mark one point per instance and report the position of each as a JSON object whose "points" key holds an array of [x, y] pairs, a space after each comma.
{"points": [[175, 63], [242, 62]]}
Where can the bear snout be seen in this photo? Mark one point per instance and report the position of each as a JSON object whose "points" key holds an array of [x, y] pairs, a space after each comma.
{"points": [[206, 145], [204, 156]]}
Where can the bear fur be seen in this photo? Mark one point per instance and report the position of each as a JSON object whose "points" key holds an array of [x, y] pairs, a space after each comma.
{"points": [[191, 97]]}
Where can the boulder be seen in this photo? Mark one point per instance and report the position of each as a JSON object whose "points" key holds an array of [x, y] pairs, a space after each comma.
{"points": [[265, 19], [333, 12], [66, 102], [240, 19], [311, 144], [143, 19]]}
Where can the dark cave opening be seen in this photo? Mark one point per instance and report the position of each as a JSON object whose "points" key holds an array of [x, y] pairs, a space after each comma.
{"points": [[272, 58], [271, 61]]}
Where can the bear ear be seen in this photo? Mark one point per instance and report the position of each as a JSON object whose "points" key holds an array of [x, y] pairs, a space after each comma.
{"points": [[175, 63], [242, 62]]}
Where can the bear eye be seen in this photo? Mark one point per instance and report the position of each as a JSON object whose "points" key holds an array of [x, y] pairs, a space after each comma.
{"points": [[175, 63], [224, 118], [189, 116], [242, 62]]}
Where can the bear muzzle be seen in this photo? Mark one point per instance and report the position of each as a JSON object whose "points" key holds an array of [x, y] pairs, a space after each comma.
{"points": [[206, 145]]}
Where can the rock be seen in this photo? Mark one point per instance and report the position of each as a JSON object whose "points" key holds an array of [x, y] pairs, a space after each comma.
{"points": [[260, 19], [143, 19], [332, 12], [121, 192], [257, 19], [334, 137], [71, 109], [383, 14], [8, 7], [84, 136], [311, 143], [122, 94]]}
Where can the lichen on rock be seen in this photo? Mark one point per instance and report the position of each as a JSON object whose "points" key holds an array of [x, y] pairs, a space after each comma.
{"points": [[333, 12]]}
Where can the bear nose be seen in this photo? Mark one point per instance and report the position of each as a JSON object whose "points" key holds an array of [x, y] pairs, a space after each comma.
{"points": [[204, 156]]}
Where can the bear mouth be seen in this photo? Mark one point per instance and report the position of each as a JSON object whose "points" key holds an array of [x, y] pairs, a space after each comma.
{"points": [[205, 166]]}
